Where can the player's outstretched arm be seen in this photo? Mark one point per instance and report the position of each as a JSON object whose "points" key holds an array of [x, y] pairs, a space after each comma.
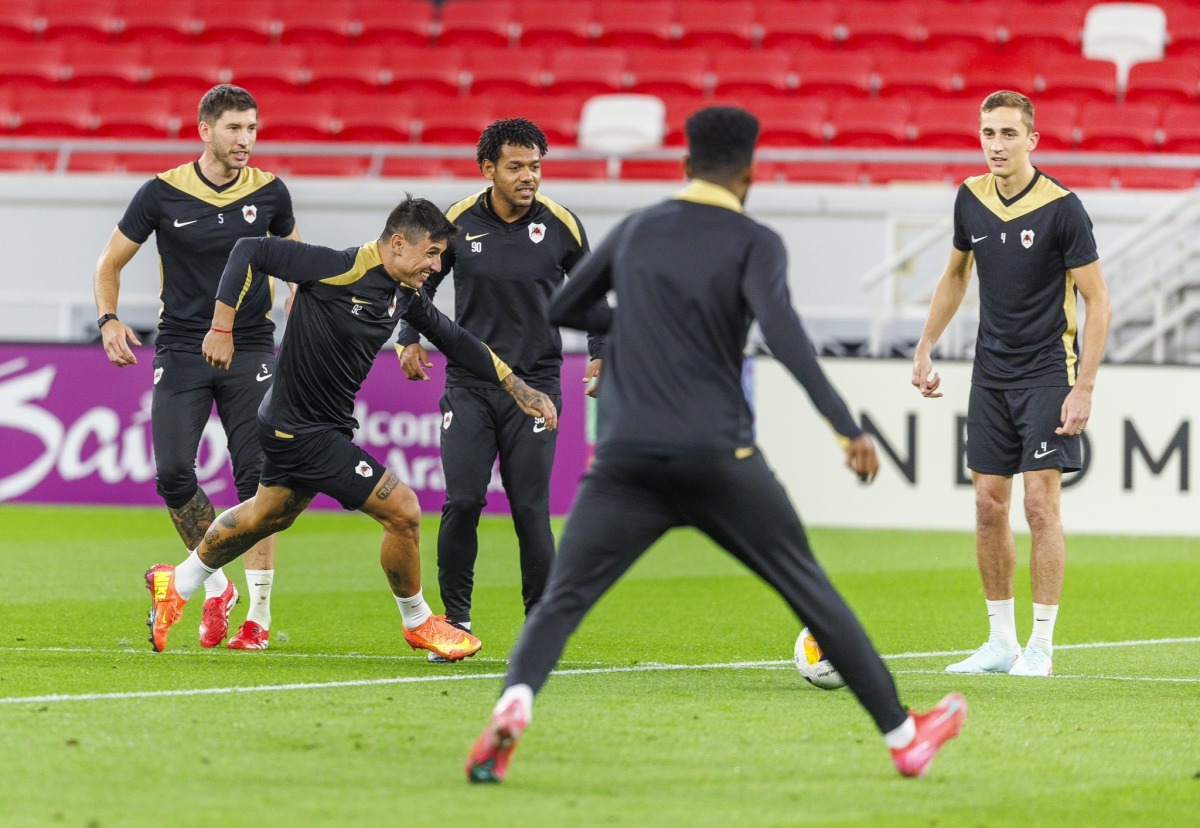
{"points": [[947, 297], [530, 400]]}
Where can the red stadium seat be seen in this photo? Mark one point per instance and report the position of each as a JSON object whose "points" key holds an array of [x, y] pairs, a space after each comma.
{"points": [[648, 169], [984, 74], [1086, 178], [820, 172], [956, 174], [152, 21], [962, 27], [318, 22], [396, 23], [628, 23], [835, 73], [877, 24], [792, 121], [342, 70], [464, 168], [397, 166], [717, 25], [323, 165], [917, 75], [1181, 129], [21, 19], [560, 169], [495, 71], [296, 116], [656, 71], [556, 115], [148, 113], [946, 124], [185, 67], [879, 123], [33, 64], [736, 73], [587, 71], [1174, 80], [679, 107], [61, 113], [1111, 127], [790, 25], [1077, 79], [1040, 29], [92, 65], [1055, 122], [1155, 178], [271, 69], [152, 163], [96, 20], [428, 71], [458, 123], [245, 24], [84, 161], [24, 161], [478, 23], [1183, 31], [554, 23], [912, 173], [375, 118]]}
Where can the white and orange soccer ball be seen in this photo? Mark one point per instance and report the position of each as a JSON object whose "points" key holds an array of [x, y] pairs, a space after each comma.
{"points": [[811, 663]]}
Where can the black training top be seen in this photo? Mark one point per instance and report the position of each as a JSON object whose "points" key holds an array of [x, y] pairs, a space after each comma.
{"points": [[1024, 250], [504, 275], [197, 224], [346, 308], [690, 276]]}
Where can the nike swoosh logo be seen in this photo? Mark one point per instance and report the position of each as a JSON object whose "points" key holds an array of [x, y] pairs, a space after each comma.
{"points": [[179, 223], [469, 237], [465, 644], [949, 712], [1038, 455], [261, 377], [538, 429], [975, 240], [358, 301]]}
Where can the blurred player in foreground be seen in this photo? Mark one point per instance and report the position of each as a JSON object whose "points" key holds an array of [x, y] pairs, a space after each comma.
{"points": [[347, 306], [676, 445]]}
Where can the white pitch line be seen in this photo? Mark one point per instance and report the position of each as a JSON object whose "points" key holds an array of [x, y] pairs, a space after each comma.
{"points": [[585, 671]]}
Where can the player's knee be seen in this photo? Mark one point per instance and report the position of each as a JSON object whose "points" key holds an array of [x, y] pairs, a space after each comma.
{"points": [[1041, 511], [176, 485], [404, 515], [990, 509], [464, 505]]}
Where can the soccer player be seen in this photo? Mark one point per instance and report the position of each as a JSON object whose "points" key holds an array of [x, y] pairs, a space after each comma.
{"points": [[198, 211], [1031, 388], [347, 306], [676, 445], [515, 249]]}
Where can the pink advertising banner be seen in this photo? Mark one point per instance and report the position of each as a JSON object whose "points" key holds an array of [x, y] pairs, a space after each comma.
{"points": [[76, 429]]}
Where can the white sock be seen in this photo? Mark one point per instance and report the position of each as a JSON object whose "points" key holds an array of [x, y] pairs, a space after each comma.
{"points": [[215, 586], [902, 736], [523, 693], [190, 574], [1003, 623], [414, 610], [258, 585], [1043, 626]]}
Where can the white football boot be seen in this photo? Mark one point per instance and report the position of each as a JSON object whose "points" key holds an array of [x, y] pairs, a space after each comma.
{"points": [[1033, 662], [992, 657]]}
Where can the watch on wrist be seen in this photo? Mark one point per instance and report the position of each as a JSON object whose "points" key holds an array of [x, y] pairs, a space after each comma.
{"points": [[103, 320]]}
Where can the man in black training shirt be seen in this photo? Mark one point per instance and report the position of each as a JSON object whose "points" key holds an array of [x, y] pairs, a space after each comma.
{"points": [[515, 248], [197, 212], [1031, 388], [676, 445], [347, 306]]}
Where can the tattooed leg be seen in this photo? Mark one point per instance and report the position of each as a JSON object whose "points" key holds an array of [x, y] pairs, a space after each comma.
{"points": [[272, 510], [193, 519], [396, 508]]}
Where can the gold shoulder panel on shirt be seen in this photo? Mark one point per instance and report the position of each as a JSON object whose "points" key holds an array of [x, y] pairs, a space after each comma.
{"points": [[1043, 192], [367, 258], [564, 215], [460, 207], [185, 179]]}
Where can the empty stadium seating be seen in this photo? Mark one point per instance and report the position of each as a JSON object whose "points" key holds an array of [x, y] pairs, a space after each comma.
{"points": [[869, 73]]}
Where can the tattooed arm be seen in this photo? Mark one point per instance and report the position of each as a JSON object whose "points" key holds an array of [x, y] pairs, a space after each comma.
{"points": [[530, 400]]}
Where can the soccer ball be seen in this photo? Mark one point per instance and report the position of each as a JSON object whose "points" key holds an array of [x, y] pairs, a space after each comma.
{"points": [[811, 663]]}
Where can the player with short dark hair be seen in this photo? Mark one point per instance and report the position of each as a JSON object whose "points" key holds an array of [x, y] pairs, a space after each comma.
{"points": [[516, 248], [1031, 387], [347, 306], [676, 445], [197, 212]]}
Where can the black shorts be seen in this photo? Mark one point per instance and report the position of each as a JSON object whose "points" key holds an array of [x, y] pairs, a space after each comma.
{"points": [[320, 461], [1011, 430]]}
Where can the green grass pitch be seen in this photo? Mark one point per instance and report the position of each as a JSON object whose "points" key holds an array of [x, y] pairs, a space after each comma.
{"points": [[676, 702]]}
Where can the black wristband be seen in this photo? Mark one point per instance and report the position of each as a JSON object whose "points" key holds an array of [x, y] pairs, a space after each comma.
{"points": [[108, 317]]}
